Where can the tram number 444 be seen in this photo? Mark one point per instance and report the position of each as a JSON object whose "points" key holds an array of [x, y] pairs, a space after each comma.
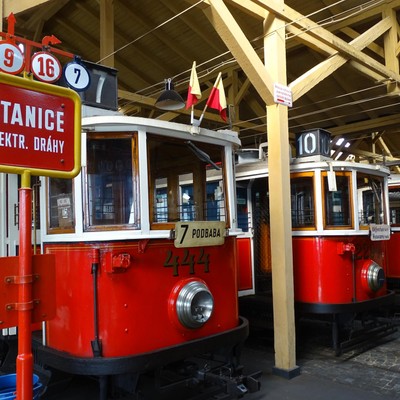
{"points": [[188, 260]]}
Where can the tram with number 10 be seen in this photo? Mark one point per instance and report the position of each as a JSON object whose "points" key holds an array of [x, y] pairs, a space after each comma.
{"points": [[340, 231], [393, 245]]}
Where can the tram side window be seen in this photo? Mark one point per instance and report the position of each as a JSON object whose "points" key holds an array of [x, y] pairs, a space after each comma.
{"points": [[61, 206], [188, 207], [242, 209], [110, 175], [394, 205], [370, 200], [215, 202], [337, 203], [302, 199], [184, 184]]}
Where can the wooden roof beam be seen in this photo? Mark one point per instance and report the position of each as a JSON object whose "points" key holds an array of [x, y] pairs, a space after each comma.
{"points": [[240, 47], [386, 149], [370, 125], [369, 154], [307, 81], [353, 34], [373, 12], [199, 30], [12, 6], [347, 50], [36, 20]]}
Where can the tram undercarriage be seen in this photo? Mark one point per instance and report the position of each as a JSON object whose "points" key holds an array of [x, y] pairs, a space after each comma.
{"points": [[352, 327]]}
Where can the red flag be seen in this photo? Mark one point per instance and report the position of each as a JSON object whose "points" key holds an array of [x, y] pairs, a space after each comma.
{"points": [[194, 92], [217, 99]]}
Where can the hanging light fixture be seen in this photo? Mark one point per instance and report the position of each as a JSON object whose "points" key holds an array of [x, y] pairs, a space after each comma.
{"points": [[169, 99]]}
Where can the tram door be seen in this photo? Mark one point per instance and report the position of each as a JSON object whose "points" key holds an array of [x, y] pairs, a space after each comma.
{"points": [[9, 215], [245, 244], [10, 212], [9, 219], [9, 233], [253, 219]]}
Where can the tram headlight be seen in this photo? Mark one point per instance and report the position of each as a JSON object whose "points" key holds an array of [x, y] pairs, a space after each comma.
{"points": [[373, 276], [194, 304]]}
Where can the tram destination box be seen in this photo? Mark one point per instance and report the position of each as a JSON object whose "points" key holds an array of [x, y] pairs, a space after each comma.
{"points": [[314, 143], [102, 90]]}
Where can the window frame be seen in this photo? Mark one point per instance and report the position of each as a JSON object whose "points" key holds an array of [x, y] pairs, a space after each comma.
{"points": [[383, 199], [199, 175], [395, 187], [307, 174], [348, 174], [56, 230], [87, 227]]}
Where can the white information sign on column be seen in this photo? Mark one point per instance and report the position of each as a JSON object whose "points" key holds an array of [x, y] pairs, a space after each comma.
{"points": [[282, 95]]}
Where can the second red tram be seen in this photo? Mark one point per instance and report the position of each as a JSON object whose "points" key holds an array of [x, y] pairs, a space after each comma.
{"points": [[340, 231], [393, 272]]}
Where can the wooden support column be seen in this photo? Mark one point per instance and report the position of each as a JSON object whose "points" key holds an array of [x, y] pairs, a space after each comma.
{"points": [[262, 77], [390, 45], [1, 14], [280, 205], [107, 32]]}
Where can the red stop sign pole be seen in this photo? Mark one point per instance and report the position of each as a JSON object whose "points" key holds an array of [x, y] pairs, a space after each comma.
{"points": [[25, 301]]}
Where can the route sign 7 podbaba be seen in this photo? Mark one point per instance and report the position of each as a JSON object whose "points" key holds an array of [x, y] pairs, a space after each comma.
{"points": [[40, 128]]}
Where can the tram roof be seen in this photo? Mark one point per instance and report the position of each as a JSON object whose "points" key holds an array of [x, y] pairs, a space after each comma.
{"points": [[119, 123], [259, 168]]}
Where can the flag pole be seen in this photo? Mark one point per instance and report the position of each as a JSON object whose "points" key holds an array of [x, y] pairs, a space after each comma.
{"points": [[194, 93], [205, 107], [202, 114]]}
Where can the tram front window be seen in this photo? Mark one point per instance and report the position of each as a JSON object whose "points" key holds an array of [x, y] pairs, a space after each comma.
{"points": [[370, 200], [337, 202], [110, 174], [185, 181]]}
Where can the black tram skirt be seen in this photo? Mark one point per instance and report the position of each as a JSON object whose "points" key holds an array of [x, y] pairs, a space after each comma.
{"points": [[358, 306], [142, 362]]}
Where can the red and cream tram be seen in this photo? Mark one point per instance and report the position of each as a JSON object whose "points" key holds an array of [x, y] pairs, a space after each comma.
{"points": [[340, 228], [393, 272], [145, 246]]}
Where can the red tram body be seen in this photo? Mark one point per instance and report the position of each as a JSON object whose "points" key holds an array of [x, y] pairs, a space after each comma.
{"points": [[340, 230], [135, 280], [326, 276]]}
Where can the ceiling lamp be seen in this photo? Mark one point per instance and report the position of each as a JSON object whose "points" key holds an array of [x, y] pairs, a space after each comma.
{"points": [[169, 99]]}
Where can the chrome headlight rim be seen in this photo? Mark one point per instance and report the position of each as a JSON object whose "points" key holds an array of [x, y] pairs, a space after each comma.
{"points": [[374, 276], [194, 304]]}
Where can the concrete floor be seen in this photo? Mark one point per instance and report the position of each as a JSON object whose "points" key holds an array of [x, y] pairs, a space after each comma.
{"points": [[370, 375]]}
